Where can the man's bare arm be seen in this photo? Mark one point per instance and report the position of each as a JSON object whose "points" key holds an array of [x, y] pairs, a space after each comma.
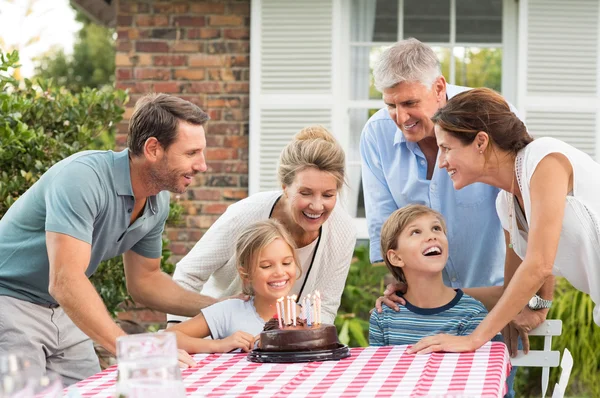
{"points": [[71, 288], [149, 286]]}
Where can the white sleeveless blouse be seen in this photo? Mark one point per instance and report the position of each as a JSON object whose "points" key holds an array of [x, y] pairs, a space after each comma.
{"points": [[578, 255]]}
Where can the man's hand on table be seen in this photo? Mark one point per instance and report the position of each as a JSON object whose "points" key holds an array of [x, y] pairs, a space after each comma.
{"points": [[525, 322], [185, 360], [390, 298]]}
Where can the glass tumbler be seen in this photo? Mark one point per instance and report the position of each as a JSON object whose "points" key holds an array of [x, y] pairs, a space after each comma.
{"points": [[148, 366]]}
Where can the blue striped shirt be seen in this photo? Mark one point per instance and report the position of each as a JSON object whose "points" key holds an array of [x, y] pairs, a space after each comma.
{"points": [[459, 317]]}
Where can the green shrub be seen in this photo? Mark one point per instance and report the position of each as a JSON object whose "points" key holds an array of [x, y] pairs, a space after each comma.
{"points": [[363, 286], [580, 335], [41, 124]]}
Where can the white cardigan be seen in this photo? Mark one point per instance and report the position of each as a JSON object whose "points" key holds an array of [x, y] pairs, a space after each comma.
{"points": [[210, 266]]}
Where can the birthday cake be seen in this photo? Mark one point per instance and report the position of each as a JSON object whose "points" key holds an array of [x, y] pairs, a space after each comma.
{"points": [[301, 337]]}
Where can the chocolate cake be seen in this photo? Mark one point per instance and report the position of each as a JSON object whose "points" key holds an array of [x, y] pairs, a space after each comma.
{"points": [[298, 338]]}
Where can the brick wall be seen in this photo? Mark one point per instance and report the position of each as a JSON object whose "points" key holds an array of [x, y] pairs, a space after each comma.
{"points": [[199, 51]]}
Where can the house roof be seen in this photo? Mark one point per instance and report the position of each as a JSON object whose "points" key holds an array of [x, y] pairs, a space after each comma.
{"points": [[103, 12]]}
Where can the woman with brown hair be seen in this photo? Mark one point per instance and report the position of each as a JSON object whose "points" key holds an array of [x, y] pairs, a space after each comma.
{"points": [[549, 207]]}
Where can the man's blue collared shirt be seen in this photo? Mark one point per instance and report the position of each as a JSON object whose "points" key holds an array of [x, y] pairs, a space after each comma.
{"points": [[394, 174]]}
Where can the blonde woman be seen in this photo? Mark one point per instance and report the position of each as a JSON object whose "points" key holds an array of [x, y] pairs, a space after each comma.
{"points": [[311, 172]]}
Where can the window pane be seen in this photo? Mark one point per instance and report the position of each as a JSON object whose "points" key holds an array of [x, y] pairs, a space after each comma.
{"points": [[386, 21], [479, 67], [374, 21], [361, 72], [479, 21], [358, 118], [443, 55], [427, 21]]}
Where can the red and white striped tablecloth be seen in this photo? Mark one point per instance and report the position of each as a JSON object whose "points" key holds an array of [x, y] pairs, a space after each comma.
{"points": [[368, 372]]}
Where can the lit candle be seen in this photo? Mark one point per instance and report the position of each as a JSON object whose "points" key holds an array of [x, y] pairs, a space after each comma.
{"points": [[294, 310], [283, 310], [314, 309], [288, 313], [279, 312], [308, 314], [318, 306], [304, 308]]}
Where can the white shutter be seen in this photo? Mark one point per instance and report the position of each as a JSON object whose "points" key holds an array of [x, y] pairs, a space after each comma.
{"points": [[291, 78], [558, 70], [278, 126]]}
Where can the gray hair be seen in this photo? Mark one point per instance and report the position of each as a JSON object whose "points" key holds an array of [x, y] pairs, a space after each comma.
{"points": [[406, 61]]}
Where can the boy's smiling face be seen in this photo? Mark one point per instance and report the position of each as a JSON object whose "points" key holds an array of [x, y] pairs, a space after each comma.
{"points": [[422, 247]]}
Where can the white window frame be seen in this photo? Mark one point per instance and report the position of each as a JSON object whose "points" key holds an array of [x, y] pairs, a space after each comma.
{"points": [[509, 68]]}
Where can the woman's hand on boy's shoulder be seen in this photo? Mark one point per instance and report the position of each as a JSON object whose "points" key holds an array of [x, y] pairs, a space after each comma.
{"points": [[390, 298]]}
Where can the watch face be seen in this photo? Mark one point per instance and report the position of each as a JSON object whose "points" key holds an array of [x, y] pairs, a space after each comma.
{"points": [[533, 302]]}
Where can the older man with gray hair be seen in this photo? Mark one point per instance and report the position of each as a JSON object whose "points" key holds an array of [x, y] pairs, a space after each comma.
{"points": [[399, 151]]}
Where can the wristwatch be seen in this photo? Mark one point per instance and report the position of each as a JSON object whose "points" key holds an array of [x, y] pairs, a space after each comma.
{"points": [[538, 303]]}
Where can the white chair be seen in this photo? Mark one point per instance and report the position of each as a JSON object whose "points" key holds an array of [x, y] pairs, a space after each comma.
{"points": [[545, 358], [566, 366]]}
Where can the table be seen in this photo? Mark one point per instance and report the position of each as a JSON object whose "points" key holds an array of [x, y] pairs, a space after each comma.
{"points": [[369, 372]]}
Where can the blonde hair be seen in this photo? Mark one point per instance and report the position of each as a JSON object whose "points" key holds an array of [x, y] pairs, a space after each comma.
{"points": [[252, 241], [312, 147], [393, 227]]}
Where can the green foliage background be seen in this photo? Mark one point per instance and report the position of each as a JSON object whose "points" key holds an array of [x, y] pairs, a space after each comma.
{"points": [[363, 286], [42, 123], [92, 63]]}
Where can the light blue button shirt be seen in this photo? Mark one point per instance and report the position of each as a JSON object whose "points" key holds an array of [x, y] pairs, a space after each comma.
{"points": [[394, 174]]}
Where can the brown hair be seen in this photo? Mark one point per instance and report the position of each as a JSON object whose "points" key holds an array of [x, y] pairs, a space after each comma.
{"points": [[252, 240], [393, 227], [483, 109], [158, 115], [312, 147]]}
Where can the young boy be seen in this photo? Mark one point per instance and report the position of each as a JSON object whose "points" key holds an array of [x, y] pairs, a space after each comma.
{"points": [[415, 250]]}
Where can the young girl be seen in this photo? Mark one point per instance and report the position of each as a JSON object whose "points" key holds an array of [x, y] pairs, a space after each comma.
{"points": [[268, 267]]}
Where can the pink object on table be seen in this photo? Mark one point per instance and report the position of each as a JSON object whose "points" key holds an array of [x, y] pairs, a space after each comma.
{"points": [[372, 371]]}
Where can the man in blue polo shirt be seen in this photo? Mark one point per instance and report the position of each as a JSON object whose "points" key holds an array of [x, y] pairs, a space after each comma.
{"points": [[87, 208], [399, 153]]}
